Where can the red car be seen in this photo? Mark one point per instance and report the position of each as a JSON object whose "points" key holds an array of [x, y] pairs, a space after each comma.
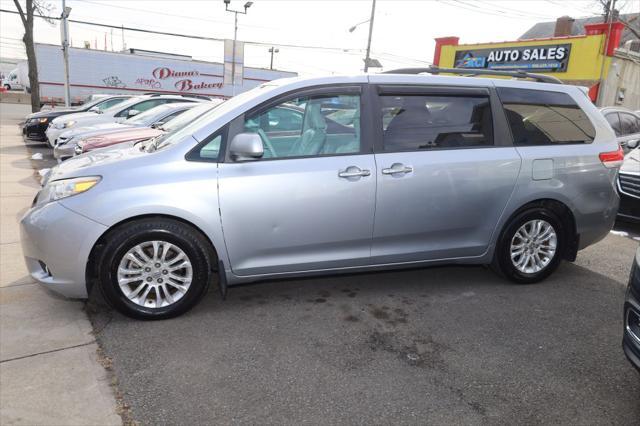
{"points": [[108, 139]]}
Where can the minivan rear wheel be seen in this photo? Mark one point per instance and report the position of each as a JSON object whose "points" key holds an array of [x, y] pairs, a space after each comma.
{"points": [[530, 246], [154, 268]]}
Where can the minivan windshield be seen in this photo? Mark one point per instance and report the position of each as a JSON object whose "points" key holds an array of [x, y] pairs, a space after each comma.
{"points": [[176, 136]]}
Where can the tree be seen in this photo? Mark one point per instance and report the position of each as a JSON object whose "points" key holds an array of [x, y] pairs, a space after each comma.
{"points": [[608, 7], [26, 15]]}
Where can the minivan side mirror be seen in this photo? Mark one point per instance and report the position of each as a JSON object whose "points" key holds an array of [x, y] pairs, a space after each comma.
{"points": [[94, 109], [633, 144], [246, 147], [132, 112]]}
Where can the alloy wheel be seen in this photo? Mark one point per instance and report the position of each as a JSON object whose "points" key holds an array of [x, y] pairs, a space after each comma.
{"points": [[533, 246], [155, 274]]}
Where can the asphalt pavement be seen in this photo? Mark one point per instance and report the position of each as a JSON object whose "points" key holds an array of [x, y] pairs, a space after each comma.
{"points": [[444, 345]]}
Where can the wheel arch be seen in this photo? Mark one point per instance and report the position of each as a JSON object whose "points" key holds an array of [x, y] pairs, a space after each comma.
{"points": [[564, 213], [95, 255]]}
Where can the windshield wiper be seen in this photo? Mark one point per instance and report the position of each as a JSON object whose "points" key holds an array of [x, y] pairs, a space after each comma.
{"points": [[152, 144]]}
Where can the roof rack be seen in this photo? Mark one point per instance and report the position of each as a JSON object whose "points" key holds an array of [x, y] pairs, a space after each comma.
{"points": [[472, 72]]}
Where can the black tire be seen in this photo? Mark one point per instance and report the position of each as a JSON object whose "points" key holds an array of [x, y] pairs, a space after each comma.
{"points": [[6, 86], [119, 241], [502, 263]]}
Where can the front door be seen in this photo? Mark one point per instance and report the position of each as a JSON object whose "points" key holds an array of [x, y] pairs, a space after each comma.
{"points": [[308, 204], [443, 178]]}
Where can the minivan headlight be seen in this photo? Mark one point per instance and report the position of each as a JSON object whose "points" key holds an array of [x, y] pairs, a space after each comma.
{"points": [[59, 189], [68, 124]]}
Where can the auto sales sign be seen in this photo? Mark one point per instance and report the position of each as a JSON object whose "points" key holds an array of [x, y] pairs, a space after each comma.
{"points": [[548, 58]]}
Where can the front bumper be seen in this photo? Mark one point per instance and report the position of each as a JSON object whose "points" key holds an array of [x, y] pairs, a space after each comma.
{"points": [[631, 339], [64, 151], [56, 243], [34, 130], [629, 196], [52, 134]]}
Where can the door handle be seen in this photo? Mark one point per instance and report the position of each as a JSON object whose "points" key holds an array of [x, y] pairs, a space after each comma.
{"points": [[397, 168], [353, 171]]}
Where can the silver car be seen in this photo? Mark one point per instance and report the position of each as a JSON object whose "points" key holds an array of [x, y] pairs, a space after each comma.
{"points": [[338, 174], [626, 125], [67, 142]]}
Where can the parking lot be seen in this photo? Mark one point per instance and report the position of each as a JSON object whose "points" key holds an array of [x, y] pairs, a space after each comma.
{"points": [[445, 345]]}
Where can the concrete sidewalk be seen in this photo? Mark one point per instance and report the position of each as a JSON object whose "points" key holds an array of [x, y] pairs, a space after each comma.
{"points": [[49, 370]]}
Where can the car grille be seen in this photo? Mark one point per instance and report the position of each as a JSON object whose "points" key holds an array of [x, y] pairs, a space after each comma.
{"points": [[629, 184]]}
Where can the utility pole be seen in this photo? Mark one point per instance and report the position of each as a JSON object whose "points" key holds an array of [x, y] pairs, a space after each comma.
{"points": [[65, 52], [367, 58], [272, 50], [611, 4], [233, 55], [247, 5]]}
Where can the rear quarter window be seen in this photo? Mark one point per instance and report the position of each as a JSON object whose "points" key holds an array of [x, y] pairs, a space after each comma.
{"points": [[539, 117]]}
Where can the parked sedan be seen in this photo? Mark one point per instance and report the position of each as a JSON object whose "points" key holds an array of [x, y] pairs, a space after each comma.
{"points": [[629, 184], [154, 117], [36, 124], [110, 139], [115, 114], [131, 134], [626, 125], [631, 317]]}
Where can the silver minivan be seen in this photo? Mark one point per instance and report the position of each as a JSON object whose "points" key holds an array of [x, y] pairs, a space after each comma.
{"points": [[326, 175]]}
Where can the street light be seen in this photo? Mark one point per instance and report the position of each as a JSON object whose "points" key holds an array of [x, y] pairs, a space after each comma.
{"points": [[247, 5], [273, 50], [352, 29], [368, 62]]}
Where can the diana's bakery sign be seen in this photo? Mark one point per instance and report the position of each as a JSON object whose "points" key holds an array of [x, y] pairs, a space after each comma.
{"points": [[548, 58]]}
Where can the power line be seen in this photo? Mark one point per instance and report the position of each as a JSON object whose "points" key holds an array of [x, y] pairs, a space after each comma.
{"points": [[174, 15], [191, 36], [477, 9], [348, 51], [503, 10]]}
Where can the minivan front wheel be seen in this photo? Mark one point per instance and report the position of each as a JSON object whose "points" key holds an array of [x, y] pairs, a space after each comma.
{"points": [[154, 268], [530, 247]]}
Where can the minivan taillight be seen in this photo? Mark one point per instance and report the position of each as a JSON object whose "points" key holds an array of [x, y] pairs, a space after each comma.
{"points": [[612, 159]]}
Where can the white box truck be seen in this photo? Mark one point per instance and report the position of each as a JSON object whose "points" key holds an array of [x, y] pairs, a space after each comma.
{"points": [[96, 71], [13, 80]]}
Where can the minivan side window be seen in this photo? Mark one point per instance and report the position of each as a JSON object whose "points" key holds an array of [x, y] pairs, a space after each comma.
{"points": [[309, 126], [614, 121], [539, 117], [419, 122]]}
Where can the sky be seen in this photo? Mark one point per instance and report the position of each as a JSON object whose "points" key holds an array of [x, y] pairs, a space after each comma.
{"points": [[403, 31]]}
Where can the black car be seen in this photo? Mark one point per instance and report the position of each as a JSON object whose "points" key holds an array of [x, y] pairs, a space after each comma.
{"points": [[631, 339], [36, 124], [629, 186]]}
